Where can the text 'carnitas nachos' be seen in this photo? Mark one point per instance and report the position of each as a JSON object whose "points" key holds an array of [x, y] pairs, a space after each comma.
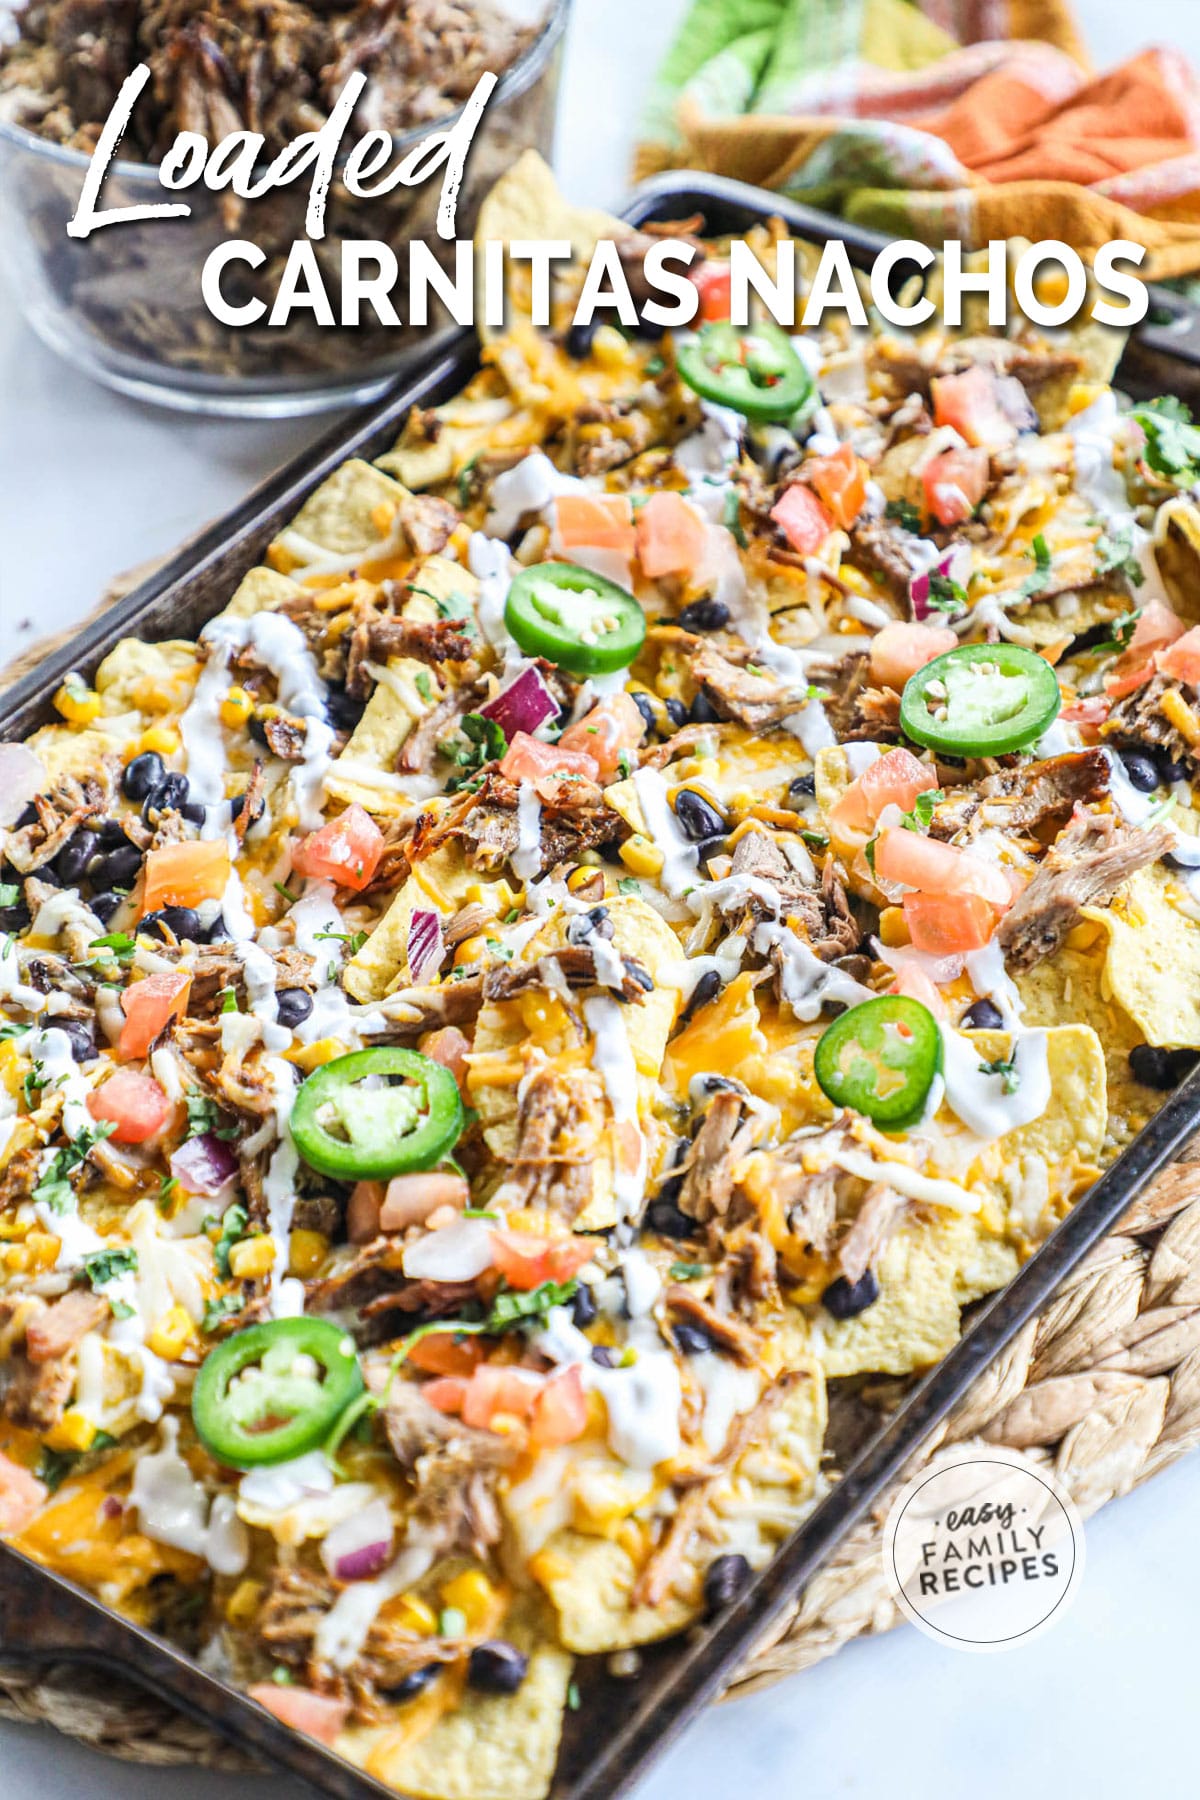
{"points": [[659, 893]]}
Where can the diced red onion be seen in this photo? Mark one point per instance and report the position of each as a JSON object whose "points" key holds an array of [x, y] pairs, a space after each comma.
{"points": [[956, 558], [458, 1252], [425, 948], [939, 969], [361, 1546], [204, 1165], [22, 778], [523, 705]]}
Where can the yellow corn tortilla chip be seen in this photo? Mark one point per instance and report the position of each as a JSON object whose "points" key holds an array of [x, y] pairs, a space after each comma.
{"points": [[489, 1747], [639, 932], [1152, 968], [589, 1579], [62, 751], [1177, 553], [338, 519], [1049, 621], [438, 884], [480, 419], [1071, 985], [127, 673], [931, 1267], [526, 203], [261, 590]]}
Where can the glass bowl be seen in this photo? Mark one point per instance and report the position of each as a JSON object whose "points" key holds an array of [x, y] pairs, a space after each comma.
{"points": [[124, 305]]}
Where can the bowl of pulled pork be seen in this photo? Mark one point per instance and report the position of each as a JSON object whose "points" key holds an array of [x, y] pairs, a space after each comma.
{"points": [[127, 305]]}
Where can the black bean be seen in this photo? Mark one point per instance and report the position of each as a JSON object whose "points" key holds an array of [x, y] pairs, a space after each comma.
{"points": [[258, 731], [105, 905], [194, 811], [698, 816], [184, 921], [80, 1037], [110, 834], [1169, 771], [579, 339], [711, 846], [677, 713], [702, 711], [1158, 1068], [724, 1580], [170, 793], [119, 869], [663, 1216], [74, 857], [237, 807], [1141, 769], [691, 1340], [27, 816], [802, 788], [1182, 1063], [721, 1084], [645, 707], [648, 330], [143, 775], [846, 1299], [15, 918], [344, 709], [704, 615], [497, 1667], [706, 989], [605, 1357], [294, 1006], [583, 1306], [985, 1015], [414, 1683]]}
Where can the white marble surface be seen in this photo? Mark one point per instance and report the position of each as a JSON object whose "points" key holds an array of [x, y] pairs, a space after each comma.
{"points": [[1102, 1705]]}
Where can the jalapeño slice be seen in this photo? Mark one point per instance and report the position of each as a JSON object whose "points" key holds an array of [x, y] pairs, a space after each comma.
{"points": [[980, 700], [375, 1114], [273, 1391], [880, 1058], [753, 370], [585, 624]]}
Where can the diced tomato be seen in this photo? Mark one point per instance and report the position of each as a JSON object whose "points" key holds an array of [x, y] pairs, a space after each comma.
{"points": [[1127, 681], [841, 482], [672, 538], [954, 483], [526, 1260], [560, 1411], [1092, 710], [896, 778], [899, 650], [912, 980], [595, 522], [318, 1716], [346, 851], [362, 1214], [22, 1496], [528, 759], [715, 282], [1156, 628], [969, 403], [932, 867], [134, 1103], [147, 1005], [441, 1353], [185, 874], [497, 1388], [802, 519], [411, 1199], [614, 726], [450, 1047], [1181, 660], [447, 1393], [946, 924]]}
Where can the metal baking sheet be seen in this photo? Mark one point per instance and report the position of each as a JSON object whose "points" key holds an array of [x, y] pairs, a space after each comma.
{"points": [[621, 1725]]}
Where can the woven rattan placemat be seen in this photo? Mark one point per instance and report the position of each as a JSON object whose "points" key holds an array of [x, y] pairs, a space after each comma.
{"points": [[1103, 1388]]}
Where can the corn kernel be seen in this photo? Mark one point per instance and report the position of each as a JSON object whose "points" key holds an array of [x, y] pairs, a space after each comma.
{"points": [[252, 1257], [77, 704], [549, 1566], [610, 349], [893, 930], [306, 1252], [172, 1335], [236, 708], [415, 1615], [16, 1259], [163, 738], [586, 881], [474, 1596], [474, 950], [383, 517], [12, 1229], [313, 1056], [641, 856], [243, 1604], [43, 1248], [74, 1431], [1181, 715]]}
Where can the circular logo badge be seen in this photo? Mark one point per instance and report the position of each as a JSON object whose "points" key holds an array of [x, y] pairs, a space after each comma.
{"points": [[983, 1550]]}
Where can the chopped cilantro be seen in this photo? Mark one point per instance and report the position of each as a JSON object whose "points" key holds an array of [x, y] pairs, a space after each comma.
{"points": [[464, 484], [625, 764], [628, 884], [513, 1308], [1114, 555], [225, 1306], [918, 819], [168, 1187], [353, 940], [1007, 1069], [655, 366], [687, 1271], [204, 1115], [733, 518], [423, 684], [56, 1465], [573, 1701], [1040, 579], [904, 513], [54, 1188], [103, 1266], [234, 1221], [119, 944], [1172, 447], [946, 596], [282, 888], [10, 893], [228, 999]]}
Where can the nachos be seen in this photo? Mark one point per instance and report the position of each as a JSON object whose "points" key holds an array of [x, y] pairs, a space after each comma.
{"points": [[658, 894]]}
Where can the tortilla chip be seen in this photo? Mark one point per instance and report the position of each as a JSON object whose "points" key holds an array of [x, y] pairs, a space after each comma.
{"points": [[1071, 985], [1177, 554], [1152, 968], [1050, 621], [62, 751], [589, 1579], [338, 520], [129, 674], [930, 1269], [261, 590], [489, 1747], [438, 884], [504, 1027], [526, 203], [466, 425]]}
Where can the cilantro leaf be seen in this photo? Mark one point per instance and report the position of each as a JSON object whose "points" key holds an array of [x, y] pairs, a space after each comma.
{"points": [[225, 1306], [919, 818], [119, 944], [947, 596], [204, 1116], [234, 1221], [904, 513], [1040, 579], [1172, 447], [103, 1266], [1006, 1067], [54, 1189], [10, 893], [1114, 555], [514, 1308]]}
